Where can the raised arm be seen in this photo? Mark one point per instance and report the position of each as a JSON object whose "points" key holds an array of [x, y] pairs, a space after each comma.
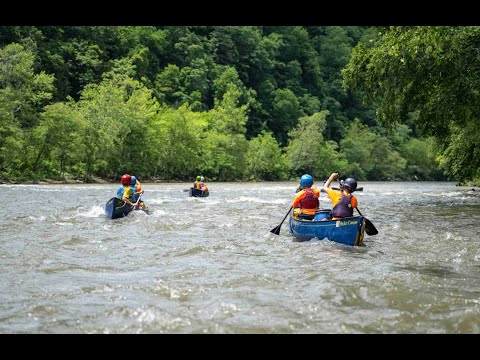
{"points": [[333, 177]]}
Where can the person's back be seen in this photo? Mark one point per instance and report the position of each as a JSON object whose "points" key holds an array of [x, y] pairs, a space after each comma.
{"points": [[343, 202], [136, 188], [127, 195], [306, 202], [203, 184], [137, 184], [196, 184]]}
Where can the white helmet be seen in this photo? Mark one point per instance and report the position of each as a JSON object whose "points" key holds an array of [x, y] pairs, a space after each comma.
{"points": [[202, 178]]}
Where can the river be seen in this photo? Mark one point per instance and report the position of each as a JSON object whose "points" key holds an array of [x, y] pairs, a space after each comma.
{"points": [[211, 265]]}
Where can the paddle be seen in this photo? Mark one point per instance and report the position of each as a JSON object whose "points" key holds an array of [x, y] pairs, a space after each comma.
{"points": [[335, 188], [370, 229], [276, 230]]}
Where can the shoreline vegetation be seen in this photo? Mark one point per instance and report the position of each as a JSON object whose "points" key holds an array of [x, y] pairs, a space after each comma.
{"points": [[96, 180], [247, 103]]}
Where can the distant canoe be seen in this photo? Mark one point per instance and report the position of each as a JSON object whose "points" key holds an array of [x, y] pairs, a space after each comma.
{"points": [[197, 193], [116, 208], [348, 231]]}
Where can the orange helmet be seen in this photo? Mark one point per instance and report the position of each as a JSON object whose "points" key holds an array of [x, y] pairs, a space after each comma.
{"points": [[126, 179]]}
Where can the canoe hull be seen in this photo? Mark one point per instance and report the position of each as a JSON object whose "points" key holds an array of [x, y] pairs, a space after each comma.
{"points": [[348, 231], [116, 208], [197, 193]]}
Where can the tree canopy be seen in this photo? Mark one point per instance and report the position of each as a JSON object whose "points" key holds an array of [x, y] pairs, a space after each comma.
{"points": [[237, 102], [431, 74]]}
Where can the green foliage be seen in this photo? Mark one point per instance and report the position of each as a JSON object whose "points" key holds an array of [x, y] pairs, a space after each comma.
{"points": [[309, 152], [285, 113], [370, 155], [421, 162], [236, 102], [462, 155], [264, 158], [176, 143], [430, 70], [23, 93], [56, 141], [167, 86], [226, 137]]}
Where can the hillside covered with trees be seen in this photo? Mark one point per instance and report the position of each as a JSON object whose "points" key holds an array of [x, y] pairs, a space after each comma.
{"points": [[238, 102]]}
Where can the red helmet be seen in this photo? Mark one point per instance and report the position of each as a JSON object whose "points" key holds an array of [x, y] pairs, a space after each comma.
{"points": [[126, 179]]}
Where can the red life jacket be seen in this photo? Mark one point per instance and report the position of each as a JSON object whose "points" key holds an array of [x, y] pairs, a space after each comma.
{"points": [[309, 200]]}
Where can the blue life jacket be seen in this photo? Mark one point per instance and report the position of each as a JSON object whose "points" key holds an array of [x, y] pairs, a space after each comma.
{"points": [[135, 197], [120, 192]]}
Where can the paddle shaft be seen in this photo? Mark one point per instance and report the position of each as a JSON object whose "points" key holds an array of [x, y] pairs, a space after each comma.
{"points": [[335, 188], [276, 230]]}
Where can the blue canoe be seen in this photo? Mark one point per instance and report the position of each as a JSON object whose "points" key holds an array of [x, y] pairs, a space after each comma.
{"points": [[197, 193], [116, 208], [348, 231]]}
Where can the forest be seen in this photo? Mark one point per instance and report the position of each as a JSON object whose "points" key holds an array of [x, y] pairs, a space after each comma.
{"points": [[239, 103]]}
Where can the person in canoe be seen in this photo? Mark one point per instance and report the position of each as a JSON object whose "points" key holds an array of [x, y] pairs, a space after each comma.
{"points": [[136, 186], [128, 191], [196, 184], [306, 200], [300, 187], [203, 184], [343, 202]]}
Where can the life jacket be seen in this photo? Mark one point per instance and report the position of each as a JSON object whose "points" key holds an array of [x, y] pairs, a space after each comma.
{"points": [[120, 192], [309, 200], [134, 190], [196, 185], [344, 207]]}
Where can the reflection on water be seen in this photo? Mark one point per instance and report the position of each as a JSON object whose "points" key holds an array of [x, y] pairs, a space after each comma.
{"points": [[211, 265]]}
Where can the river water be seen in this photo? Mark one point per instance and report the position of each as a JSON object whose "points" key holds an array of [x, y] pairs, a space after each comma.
{"points": [[211, 265]]}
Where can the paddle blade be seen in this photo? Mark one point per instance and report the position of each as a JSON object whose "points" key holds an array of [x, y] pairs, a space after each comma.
{"points": [[370, 229], [276, 230]]}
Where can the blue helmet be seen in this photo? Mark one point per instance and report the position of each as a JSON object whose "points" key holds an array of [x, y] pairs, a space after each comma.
{"points": [[134, 180], [350, 183], [306, 180]]}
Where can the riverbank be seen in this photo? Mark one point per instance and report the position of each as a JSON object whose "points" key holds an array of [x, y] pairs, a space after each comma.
{"points": [[95, 180], [81, 181]]}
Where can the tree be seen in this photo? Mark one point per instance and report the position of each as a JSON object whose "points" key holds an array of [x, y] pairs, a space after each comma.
{"points": [[309, 152], [370, 155], [23, 93], [56, 141], [431, 70], [285, 113], [264, 158], [226, 140]]}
